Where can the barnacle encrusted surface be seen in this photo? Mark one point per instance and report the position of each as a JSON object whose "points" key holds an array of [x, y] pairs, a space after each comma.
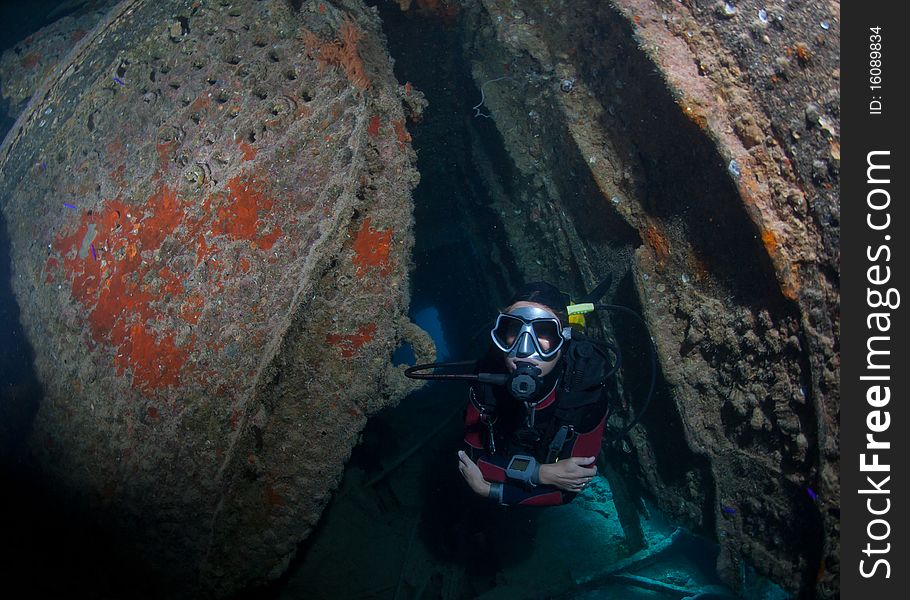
{"points": [[209, 251]]}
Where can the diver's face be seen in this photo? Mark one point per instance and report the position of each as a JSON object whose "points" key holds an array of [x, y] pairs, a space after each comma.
{"points": [[545, 366]]}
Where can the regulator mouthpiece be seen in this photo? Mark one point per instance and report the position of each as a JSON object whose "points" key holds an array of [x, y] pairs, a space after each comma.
{"points": [[524, 381]]}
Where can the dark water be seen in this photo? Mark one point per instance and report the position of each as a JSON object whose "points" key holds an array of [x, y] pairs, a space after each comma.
{"points": [[17, 381], [19, 388], [50, 548]]}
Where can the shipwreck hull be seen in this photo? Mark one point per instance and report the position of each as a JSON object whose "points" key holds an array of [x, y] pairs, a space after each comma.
{"points": [[210, 220]]}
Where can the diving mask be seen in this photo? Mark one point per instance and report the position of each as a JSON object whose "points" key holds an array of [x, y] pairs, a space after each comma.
{"points": [[529, 332]]}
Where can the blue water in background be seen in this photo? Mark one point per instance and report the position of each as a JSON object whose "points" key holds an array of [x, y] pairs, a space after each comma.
{"points": [[428, 320], [50, 549]]}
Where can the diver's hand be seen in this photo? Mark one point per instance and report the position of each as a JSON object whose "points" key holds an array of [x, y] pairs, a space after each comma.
{"points": [[471, 473], [571, 474]]}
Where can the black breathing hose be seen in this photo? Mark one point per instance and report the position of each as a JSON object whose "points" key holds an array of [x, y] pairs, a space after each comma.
{"points": [[493, 378], [653, 383], [501, 379]]}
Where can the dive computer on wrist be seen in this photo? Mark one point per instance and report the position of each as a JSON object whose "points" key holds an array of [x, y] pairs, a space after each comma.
{"points": [[524, 468]]}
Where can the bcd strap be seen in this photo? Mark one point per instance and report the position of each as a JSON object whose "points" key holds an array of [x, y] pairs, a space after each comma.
{"points": [[559, 440]]}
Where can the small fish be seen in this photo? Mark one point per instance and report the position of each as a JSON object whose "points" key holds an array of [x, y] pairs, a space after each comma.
{"points": [[118, 81], [95, 256], [729, 510], [812, 494], [70, 206]]}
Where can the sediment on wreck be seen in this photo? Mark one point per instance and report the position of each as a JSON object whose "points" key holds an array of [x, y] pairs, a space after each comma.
{"points": [[210, 223], [666, 144]]}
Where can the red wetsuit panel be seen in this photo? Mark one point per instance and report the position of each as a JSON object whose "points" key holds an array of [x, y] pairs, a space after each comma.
{"points": [[548, 498], [588, 444], [493, 468], [472, 427], [491, 472], [550, 399]]}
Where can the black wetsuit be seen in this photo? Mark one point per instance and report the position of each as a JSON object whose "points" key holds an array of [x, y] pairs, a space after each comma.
{"points": [[572, 404]]}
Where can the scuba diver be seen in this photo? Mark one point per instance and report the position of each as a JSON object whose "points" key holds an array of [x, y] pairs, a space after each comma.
{"points": [[537, 447], [535, 420], [538, 402]]}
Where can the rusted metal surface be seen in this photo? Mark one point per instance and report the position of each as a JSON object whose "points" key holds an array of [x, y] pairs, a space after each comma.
{"points": [[210, 223], [26, 65]]}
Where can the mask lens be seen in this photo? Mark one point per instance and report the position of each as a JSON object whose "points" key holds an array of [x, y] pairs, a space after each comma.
{"points": [[547, 333], [507, 329]]}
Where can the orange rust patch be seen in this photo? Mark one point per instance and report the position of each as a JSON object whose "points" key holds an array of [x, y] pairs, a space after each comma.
{"points": [[371, 249], [658, 242], [239, 217], [203, 250], [30, 60], [156, 362], [770, 241], [131, 294], [77, 35], [802, 53], [373, 129], [172, 283], [694, 114], [153, 413], [401, 133], [192, 308], [349, 344], [340, 52], [249, 153], [789, 283]]}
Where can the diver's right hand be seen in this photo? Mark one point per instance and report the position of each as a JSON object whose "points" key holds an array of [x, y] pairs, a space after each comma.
{"points": [[472, 475], [571, 474]]}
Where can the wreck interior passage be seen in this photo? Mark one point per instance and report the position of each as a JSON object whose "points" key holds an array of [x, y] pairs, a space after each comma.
{"points": [[396, 527]]}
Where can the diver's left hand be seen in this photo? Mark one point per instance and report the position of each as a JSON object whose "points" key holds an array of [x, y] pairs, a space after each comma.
{"points": [[471, 473], [571, 475]]}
